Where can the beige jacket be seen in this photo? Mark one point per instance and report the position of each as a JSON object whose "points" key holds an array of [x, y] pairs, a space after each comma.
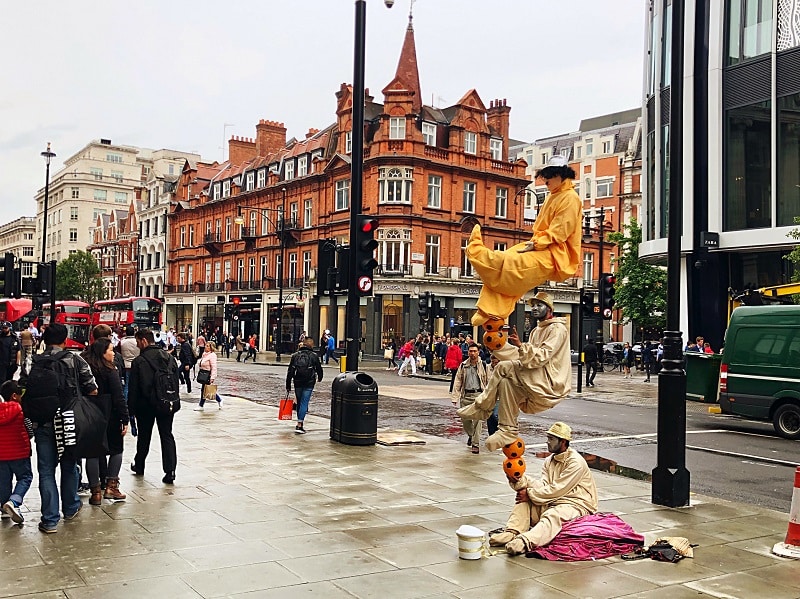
{"points": [[545, 364], [458, 383], [566, 480]]}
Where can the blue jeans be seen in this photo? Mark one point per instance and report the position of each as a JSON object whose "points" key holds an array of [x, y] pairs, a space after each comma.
{"points": [[125, 386], [330, 354], [46, 462], [21, 469], [303, 395]]}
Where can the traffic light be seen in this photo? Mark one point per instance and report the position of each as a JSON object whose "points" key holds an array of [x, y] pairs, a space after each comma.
{"points": [[607, 281], [7, 275], [425, 305], [365, 246], [587, 303], [235, 313]]}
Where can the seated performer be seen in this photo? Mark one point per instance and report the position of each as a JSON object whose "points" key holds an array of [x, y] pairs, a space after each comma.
{"points": [[553, 252], [566, 491], [534, 380]]}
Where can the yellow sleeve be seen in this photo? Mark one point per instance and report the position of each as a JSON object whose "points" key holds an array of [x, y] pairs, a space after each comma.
{"points": [[566, 216]]}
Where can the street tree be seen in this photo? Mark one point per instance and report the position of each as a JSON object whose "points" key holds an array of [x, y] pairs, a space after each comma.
{"points": [[641, 288], [78, 278], [794, 257]]}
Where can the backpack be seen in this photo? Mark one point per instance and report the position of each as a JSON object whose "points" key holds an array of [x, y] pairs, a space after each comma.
{"points": [[166, 386], [47, 387], [304, 371]]}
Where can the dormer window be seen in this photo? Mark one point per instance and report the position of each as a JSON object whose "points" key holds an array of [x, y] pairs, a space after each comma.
{"points": [[217, 189], [496, 148], [470, 142], [302, 166], [250, 180], [226, 189], [262, 177], [429, 134], [397, 127], [289, 170]]}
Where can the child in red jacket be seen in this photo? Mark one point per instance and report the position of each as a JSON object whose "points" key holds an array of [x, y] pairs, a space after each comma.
{"points": [[15, 452]]}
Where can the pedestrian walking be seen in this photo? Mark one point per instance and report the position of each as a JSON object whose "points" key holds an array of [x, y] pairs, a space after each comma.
{"points": [[252, 349], [591, 361], [647, 360], [470, 380], [453, 359], [389, 349], [100, 358], [407, 352], [186, 361], [240, 347], [627, 358], [208, 363], [153, 401], [15, 452], [330, 354], [305, 370]]}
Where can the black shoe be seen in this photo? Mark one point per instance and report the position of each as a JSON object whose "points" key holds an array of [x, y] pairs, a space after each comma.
{"points": [[135, 470], [169, 478]]}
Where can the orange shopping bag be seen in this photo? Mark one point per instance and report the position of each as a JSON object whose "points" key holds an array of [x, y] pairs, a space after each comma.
{"points": [[285, 408]]}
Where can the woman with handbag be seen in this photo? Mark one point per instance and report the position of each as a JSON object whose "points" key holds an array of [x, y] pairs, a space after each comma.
{"points": [[100, 357], [207, 376], [388, 354]]}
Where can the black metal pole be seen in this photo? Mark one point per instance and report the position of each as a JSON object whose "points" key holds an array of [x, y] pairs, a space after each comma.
{"points": [[353, 324], [48, 156], [580, 338], [282, 239], [52, 266], [670, 477], [602, 234]]}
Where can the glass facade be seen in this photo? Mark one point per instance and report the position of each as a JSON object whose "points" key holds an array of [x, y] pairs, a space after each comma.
{"points": [[748, 162], [788, 158], [749, 29]]}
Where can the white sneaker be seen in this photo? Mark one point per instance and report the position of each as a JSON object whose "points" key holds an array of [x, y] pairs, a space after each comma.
{"points": [[199, 409], [219, 403], [13, 512]]}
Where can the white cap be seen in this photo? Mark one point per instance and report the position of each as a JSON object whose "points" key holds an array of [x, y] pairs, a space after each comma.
{"points": [[327, 332], [557, 160]]}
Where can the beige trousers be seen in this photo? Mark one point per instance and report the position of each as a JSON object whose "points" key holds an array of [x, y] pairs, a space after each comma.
{"points": [[539, 524], [472, 427]]}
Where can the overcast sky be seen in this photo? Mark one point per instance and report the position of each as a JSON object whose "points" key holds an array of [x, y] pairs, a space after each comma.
{"points": [[171, 74]]}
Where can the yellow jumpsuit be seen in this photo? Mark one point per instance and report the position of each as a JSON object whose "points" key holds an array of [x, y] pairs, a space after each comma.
{"points": [[509, 274]]}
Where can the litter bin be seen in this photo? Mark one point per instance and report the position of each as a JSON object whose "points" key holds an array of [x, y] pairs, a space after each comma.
{"points": [[702, 376], [354, 409]]}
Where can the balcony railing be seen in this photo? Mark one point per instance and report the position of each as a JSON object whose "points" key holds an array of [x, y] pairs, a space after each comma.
{"points": [[441, 271], [393, 270], [212, 238]]}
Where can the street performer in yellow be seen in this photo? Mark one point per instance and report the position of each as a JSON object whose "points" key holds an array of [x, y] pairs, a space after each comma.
{"points": [[531, 377], [552, 254]]}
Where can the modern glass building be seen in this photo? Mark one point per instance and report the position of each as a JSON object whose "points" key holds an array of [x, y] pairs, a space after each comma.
{"points": [[741, 149]]}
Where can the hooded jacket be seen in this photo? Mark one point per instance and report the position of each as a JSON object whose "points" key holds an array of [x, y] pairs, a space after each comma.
{"points": [[141, 391], [14, 441]]}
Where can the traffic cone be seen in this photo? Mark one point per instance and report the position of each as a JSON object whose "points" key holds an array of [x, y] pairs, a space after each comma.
{"points": [[791, 547]]}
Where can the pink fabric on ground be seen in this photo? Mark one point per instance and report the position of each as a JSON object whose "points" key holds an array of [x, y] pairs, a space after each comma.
{"points": [[596, 536]]}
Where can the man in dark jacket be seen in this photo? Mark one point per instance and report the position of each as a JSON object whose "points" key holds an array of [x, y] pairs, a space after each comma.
{"points": [[305, 370], [591, 360], [186, 359], [143, 404], [9, 352]]}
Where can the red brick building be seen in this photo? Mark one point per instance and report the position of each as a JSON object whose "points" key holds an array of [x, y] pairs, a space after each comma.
{"points": [[430, 174], [115, 246]]}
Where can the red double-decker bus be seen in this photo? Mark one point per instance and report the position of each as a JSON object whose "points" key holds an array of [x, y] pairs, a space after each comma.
{"points": [[19, 312], [75, 316], [144, 312]]}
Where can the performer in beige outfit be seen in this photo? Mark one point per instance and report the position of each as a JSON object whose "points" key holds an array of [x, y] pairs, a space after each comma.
{"points": [[566, 491], [534, 380]]}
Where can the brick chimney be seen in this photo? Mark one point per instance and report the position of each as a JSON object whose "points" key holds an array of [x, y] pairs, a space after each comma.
{"points": [[270, 137], [497, 120], [241, 149], [312, 132]]}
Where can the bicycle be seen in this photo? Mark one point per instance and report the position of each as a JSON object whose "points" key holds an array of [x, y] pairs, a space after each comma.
{"points": [[610, 363]]}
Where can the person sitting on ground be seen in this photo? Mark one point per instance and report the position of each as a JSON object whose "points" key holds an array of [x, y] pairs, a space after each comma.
{"points": [[531, 377], [565, 491]]}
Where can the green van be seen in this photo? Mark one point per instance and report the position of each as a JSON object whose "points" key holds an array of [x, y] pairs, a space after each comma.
{"points": [[760, 373]]}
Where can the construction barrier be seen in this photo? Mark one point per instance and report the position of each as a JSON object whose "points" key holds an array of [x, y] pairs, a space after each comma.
{"points": [[791, 547]]}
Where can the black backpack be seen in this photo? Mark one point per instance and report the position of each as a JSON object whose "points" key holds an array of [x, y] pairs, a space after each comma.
{"points": [[304, 370], [166, 385], [47, 387]]}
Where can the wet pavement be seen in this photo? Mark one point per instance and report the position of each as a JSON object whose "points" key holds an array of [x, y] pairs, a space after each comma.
{"points": [[259, 512]]}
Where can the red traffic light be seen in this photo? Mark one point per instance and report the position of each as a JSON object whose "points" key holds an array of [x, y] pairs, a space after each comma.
{"points": [[611, 279], [369, 225], [236, 300]]}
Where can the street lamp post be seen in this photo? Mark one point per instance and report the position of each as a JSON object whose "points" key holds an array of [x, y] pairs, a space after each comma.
{"points": [[48, 156], [280, 227]]}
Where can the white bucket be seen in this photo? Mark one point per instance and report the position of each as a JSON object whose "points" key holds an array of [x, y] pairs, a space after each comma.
{"points": [[471, 541]]}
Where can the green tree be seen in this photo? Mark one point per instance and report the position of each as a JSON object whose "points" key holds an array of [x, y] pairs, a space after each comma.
{"points": [[78, 278], [794, 255], [641, 289]]}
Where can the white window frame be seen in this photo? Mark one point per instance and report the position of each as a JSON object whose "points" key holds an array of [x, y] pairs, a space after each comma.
{"points": [[434, 191], [73, 235], [226, 189], [264, 268], [429, 133], [249, 181], [302, 166], [466, 265], [75, 192], [348, 142], [432, 252], [394, 249], [288, 170], [292, 269], [607, 145], [308, 213], [306, 266], [605, 188], [342, 192], [470, 143], [588, 269], [251, 270], [501, 202], [217, 190], [262, 178], [395, 185], [496, 148], [589, 146], [469, 197], [397, 127], [228, 229], [73, 213], [588, 190]]}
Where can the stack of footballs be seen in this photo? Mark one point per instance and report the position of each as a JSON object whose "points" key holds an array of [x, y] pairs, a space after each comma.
{"points": [[514, 464]]}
